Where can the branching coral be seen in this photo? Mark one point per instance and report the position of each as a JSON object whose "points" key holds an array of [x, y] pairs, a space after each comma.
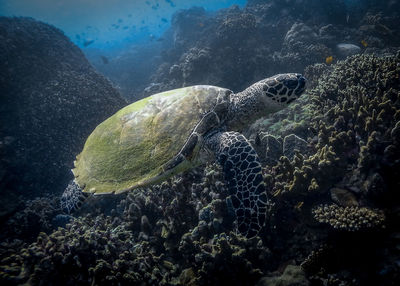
{"points": [[37, 216], [231, 256], [348, 218], [152, 236], [353, 137], [356, 106]]}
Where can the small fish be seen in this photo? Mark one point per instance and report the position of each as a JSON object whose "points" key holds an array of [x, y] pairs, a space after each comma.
{"points": [[329, 60], [299, 205], [160, 39], [120, 21], [276, 193], [77, 36], [88, 42], [126, 27], [104, 59], [164, 20], [129, 15], [201, 24], [171, 3], [364, 43]]}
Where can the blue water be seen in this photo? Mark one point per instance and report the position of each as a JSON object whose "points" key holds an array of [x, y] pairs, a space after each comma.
{"points": [[104, 24]]}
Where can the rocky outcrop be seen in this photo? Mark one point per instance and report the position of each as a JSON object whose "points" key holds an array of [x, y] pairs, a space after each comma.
{"points": [[51, 99]]}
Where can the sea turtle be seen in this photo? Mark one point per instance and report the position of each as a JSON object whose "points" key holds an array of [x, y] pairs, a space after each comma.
{"points": [[167, 133]]}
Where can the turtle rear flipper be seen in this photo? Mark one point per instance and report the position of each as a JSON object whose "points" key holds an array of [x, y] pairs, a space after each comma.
{"points": [[72, 197], [242, 170]]}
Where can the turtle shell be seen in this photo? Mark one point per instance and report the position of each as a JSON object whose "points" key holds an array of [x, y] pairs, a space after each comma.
{"points": [[130, 148]]}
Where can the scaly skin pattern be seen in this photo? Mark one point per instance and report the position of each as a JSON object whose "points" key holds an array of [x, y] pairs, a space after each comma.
{"points": [[72, 197], [244, 179], [262, 98]]}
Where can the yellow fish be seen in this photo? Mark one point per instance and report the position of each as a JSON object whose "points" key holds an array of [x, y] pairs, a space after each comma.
{"points": [[364, 43], [298, 206], [329, 60], [277, 193]]}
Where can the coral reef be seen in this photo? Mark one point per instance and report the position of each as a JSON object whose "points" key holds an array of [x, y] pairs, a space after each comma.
{"points": [[352, 115], [180, 232], [174, 233], [339, 143], [301, 47], [236, 47], [32, 217]]}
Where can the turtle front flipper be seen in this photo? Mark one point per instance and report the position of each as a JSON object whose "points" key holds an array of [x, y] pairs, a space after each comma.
{"points": [[242, 170], [72, 197]]}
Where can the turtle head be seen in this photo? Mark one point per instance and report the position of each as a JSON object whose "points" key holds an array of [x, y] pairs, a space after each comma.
{"points": [[283, 89], [264, 97]]}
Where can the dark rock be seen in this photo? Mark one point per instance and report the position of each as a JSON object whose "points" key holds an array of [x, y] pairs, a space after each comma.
{"points": [[343, 197], [374, 186], [51, 99], [61, 220], [329, 35], [187, 25], [302, 46]]}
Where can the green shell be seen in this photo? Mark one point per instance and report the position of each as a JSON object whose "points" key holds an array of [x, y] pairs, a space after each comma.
{"points": [[129, 149]]}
